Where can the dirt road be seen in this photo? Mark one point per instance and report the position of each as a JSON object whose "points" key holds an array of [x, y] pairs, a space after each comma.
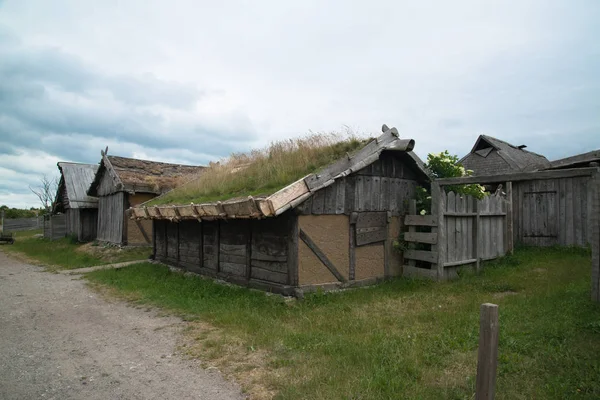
{"points": [[60, 340]]}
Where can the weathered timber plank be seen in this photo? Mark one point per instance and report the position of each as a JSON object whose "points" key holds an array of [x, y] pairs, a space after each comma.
{"points": [[321, 256], [287, 194], [270, 265], [420, 220], [318, 202], [292, 251], [270, 276], [232, 268], [421, 255], [421, 237], [515, 177]]}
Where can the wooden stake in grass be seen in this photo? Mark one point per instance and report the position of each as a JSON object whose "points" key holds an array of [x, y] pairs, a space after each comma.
{"points": [[487, 360]]}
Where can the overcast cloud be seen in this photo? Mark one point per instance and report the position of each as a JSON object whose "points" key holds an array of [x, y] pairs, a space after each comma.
{"points": [[192, 81]]}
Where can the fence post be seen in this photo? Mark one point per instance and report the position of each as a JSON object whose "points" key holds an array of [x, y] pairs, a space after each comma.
{"points": [[487, 360], [2, 221], [438, 207]]}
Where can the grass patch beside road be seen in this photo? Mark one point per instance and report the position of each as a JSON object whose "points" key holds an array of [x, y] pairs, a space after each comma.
{"points": [[66, 254], [403, 339]]}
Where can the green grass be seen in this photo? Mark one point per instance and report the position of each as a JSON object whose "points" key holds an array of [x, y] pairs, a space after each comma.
{"points": [[263, 171], [403, 339], [66, 254]]}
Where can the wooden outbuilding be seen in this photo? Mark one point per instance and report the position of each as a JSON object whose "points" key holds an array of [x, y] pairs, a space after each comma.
{"points": [[491, 156], [589, 159], [79, 208], [121, 183], [330, 229]]}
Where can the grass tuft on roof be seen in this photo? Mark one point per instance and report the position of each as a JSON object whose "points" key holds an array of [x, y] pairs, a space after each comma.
{"points": [[264, 171]]}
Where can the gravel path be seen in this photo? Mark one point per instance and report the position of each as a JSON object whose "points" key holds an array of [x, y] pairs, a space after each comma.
{"points": [[60, 340]]}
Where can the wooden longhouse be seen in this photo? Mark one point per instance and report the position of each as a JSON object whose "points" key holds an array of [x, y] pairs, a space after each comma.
{"points": [[491, 156], [331, 229], [121, 183], [80, 209]]}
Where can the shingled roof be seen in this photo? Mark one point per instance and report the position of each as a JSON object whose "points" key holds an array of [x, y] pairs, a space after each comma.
{"points": [[491, 156], [133, 175], [293, 194], [75, 179]]}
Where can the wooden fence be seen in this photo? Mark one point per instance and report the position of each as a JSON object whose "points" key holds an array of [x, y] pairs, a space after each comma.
{"points": [[55, 226], [22, 224], [464, 231], [554, 207]]}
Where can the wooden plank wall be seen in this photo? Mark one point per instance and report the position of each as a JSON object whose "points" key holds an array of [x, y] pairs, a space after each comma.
{"points": [[386, 185], [241, 251], [473, 229], [552, 212], [111, 213], [72, 221], [55, 226]]}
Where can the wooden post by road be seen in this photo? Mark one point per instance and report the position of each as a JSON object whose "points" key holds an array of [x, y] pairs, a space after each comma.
{"points": [[487, 360]]}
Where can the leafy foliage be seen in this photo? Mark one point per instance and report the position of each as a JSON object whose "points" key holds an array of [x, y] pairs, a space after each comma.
{"points": [[11, 213], [446, 165]]}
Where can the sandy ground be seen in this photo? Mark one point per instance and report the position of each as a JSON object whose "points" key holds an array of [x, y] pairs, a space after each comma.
{"points": [[60, 340]]}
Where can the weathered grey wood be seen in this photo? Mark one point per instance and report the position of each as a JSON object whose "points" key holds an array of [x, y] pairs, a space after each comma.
{"points": [[321, 256], [330, 199], [111, 220], [270, 276], [460, 262], [476, 236], [340, 200], [412, 210], [515, 177], [232, 268], [420, 220], [375, 194], [450, 227], [371, 227], [350, 195], [318, 202], [292, 249], [438, 207], [487, 359], [280, 267], [509, 222], [421, 237], [422, 255]]}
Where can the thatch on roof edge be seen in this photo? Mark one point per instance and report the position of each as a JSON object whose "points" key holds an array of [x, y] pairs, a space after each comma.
{"points": [[134, 175], [288, 197]]}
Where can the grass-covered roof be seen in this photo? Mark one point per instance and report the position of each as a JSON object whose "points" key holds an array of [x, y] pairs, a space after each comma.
{"points": [[264, 171]]}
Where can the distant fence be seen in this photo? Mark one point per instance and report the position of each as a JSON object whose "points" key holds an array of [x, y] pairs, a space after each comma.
{"points": [[55, 226], [22, 224], [464, 230], [554, 207]]}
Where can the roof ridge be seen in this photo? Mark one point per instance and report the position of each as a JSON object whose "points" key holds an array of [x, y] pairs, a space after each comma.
{"points": [[156, 162]]}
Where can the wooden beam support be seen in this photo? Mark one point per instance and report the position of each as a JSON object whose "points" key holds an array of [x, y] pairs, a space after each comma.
{"points": [[519, 176], [420, 220], [421, 237], [321, 256]]}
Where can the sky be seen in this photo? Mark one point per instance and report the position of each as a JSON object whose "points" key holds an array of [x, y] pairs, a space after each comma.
{"points": [[190, 81]]}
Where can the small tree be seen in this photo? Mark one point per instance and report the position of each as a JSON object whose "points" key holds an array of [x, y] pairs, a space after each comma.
{"points": [[445, 165], [45, 191]]}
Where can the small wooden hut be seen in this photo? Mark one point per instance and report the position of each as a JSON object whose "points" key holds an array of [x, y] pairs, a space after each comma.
{"points": [[80, 209], [121, 183], [491, 156], [589, 159], [329, 229]]}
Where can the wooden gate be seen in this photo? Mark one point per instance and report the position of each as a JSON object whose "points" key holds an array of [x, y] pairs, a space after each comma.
{"points": [[463, 230]]}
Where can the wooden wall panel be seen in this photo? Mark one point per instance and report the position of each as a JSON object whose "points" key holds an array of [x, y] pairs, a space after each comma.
{"points": [[234, 236], [172, 242], [111, 213], [210, 245], [88, 224], [190, 245], [269, 249]]}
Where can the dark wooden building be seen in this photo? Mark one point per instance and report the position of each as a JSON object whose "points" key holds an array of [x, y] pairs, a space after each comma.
{"points": [[330, 229], [121, 183], [80, 209], [493, 156]]}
